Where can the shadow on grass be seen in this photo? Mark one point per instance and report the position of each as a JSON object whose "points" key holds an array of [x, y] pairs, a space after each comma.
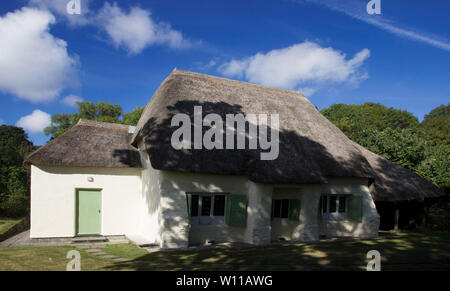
{"points": [[398, 249]]}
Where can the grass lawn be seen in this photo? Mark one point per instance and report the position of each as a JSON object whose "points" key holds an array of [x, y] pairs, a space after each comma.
{"points": [[400, 249], [6, 223]]}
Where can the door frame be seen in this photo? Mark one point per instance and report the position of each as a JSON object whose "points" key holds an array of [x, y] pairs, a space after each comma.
{"points": [[76, 211]]}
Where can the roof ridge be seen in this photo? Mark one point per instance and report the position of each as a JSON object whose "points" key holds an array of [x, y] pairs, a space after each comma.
{"points": [[102, 124], [248, 84]]}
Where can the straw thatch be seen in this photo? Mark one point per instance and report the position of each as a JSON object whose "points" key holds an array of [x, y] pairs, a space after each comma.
{"points": [[89, 144], [311, 147], [311, 150], [394, 183]]}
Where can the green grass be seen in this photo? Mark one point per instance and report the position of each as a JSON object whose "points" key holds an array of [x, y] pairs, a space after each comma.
{"points": [[125, 250], [46, 259], [398, 249], [6, 223]]}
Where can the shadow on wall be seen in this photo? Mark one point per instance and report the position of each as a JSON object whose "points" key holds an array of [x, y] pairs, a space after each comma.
{"points": [[300, 160]]}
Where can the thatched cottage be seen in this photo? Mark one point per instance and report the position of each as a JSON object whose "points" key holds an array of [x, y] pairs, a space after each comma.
{"points": [[111, 179]]}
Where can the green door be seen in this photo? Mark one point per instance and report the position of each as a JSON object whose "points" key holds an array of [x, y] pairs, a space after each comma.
{"points": [[89, 217]]}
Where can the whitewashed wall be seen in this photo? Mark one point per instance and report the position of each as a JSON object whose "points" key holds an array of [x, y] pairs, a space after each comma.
{"points": [[370, 223], [149, 207], [53, 191], [310, 227]]}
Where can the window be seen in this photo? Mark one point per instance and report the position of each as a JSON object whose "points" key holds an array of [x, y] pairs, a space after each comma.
{"points": [[207, 209], [342, 204], [219, 205], [280, 208], [334, 206]]}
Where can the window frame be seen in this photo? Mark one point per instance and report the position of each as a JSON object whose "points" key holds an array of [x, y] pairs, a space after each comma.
{"points": [[334, 215], [211, 219]]}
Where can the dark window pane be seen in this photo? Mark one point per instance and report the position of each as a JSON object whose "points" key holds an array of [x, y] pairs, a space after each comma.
{"points": [[284, 208], [219, 205], [342, 204], [324, 204], [276, 208], [206, 205], [194, 205], [333, 200]]}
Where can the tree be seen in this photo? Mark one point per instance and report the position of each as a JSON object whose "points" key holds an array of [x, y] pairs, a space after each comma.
{"points": [[102, 111], [133, 116], [353, 119], [14, 179], [14, 146], [397, 135], [61, 123], [436, 166], [401, 146], [443, 110]]}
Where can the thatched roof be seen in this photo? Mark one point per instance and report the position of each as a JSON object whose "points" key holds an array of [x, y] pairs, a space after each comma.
{"points": [[311, 150], [311, 147], [89, 144], [393, 182]]}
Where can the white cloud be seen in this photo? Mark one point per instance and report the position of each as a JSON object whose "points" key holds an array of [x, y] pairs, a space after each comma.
{"points": [[59, 7], [35, 122], [308, 91], [34, 65], [298, 65], [71, 100], [357, 10], [1, 121], [136, 30]]}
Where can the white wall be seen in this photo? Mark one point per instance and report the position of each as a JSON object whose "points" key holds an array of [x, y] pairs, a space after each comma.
{"points": [[175, 229], [53, 199], [310, 227], [370, 223], [149, 207]]}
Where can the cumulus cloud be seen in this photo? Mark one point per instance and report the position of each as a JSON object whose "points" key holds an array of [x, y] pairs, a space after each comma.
{"points": [[135, 30], [59, 7], [35, 122], [71, 100], [34, 65], [298, 65]]}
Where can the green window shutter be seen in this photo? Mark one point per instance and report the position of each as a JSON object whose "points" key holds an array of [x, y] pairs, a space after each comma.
{"points": [[189, 203], [236, 214], [355, 208], [294, 209]]}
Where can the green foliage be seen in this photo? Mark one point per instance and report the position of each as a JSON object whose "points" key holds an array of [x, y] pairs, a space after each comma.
{"points": [[14, 189], [436, 166], [398, 136], [102, 111], [353, 119], [14, 179], [133, 116], [14, 146], [60, 124], [436, 130], [443, 110], [401, 146]]}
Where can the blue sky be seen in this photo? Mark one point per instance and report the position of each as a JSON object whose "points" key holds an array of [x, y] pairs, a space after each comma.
{"points": [[121, 51]]}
